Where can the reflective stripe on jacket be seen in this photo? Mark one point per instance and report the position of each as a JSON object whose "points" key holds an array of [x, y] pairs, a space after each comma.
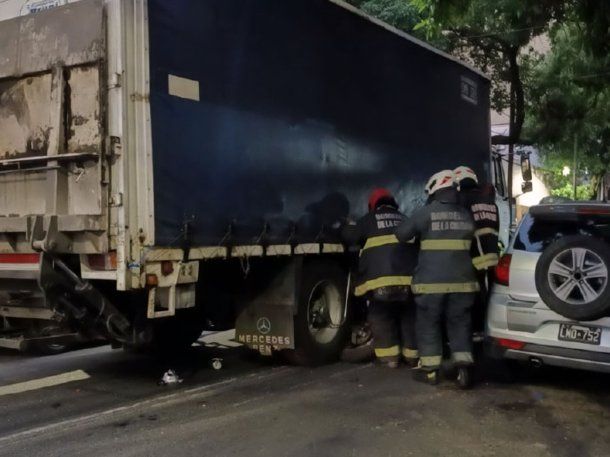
{"points": [[445, 230], [384, 262], [485, 252]]}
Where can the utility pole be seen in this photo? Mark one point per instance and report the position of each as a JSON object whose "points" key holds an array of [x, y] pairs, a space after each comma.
{"points": [[511, 155]]}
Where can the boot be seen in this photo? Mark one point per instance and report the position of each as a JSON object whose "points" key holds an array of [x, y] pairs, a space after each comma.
{"points": [[464, 378], [430, 377]]}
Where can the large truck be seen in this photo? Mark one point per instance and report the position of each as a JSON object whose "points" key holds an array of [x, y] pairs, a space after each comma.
{"points": [[167, 167]]}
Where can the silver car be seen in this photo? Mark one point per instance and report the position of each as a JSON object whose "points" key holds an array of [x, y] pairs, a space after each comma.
{"points": [[551, 301]]}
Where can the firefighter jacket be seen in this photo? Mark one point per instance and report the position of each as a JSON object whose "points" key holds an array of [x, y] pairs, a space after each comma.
{"points": [[445, 230], [485, 252], [385, 265]]}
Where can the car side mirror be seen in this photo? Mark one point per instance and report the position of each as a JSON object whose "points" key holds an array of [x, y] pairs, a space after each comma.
{"points": [[526, 168]]}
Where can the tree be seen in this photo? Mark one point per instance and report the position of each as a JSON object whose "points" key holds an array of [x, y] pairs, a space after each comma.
{"points": [[398, 13], [569, 104]]}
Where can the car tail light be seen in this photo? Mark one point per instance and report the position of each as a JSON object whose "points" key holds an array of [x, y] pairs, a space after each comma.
{"points": [[503, 270], [510, 344], [19, 258], [102, 262]]}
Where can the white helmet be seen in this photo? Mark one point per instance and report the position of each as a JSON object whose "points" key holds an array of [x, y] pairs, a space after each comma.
{"points": [[464, 172], [438, 181]]}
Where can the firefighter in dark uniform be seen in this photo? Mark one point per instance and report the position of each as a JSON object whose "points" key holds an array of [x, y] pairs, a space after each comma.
{"points": [[384, 276], [444, 281], [485, 250]]}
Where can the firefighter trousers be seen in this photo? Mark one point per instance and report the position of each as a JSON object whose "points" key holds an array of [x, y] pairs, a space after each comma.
{"points": [[393, 327], [455, 310]]}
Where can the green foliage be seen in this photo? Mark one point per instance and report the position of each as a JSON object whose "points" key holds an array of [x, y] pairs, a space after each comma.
{"points": [[583, 192], [399, 13], [569, 99], [562, 185]]}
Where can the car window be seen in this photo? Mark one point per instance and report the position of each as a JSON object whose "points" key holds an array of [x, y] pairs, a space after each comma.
{"points": [[535, 235]]}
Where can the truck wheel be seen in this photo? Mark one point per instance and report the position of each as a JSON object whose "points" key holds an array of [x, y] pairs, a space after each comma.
{"points": [[572, 277], [321, 325]]}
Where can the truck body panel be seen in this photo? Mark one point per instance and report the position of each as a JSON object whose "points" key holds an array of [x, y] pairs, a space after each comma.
{"points": [[291, 112]]}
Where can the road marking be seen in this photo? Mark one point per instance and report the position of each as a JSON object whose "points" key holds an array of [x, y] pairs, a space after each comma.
{"points": [[41, 383], [155, 402]]}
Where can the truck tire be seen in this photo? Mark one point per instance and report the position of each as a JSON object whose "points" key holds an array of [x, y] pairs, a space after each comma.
{"points": [[321, 324], [572, 277]]}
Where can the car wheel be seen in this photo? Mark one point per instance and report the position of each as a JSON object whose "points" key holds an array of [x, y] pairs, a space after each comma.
{"points": [[572, 277], [321, 325]]}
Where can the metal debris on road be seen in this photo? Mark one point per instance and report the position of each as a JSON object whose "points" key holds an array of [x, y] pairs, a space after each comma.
{"points": [[170, 377]]}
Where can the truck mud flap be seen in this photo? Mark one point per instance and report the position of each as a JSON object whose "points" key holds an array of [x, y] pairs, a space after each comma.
{"points": [[266, 328]]}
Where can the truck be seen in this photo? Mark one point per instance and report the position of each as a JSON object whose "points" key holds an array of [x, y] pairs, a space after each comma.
{"points": [[170, 167]]}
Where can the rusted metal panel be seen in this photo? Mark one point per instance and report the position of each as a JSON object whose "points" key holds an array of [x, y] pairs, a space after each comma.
{"points": [[71, 35], [24, 116], [83, 134]]}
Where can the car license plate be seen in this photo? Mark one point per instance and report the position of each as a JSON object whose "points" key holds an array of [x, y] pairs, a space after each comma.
{"points": [[580, 333]]}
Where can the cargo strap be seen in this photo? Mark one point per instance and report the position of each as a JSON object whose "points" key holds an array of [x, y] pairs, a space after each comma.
{"points": [[376, 241], [446, 288], [445, 245], [486, 231], [483, 262], [393, 351], [431, 361], [410, 353], [384, 281]]}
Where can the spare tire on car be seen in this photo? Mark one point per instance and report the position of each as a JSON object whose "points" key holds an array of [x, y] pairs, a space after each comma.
{"points": [[572, 277]]}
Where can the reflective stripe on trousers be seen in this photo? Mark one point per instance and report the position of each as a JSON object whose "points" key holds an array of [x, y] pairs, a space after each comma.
{"points": [[410, 353], [445, 245], [385, 281], [393, 351], [445, 288]]}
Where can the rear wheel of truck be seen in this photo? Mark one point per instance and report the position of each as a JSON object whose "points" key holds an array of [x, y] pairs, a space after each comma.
{"points": [[321, 325]]}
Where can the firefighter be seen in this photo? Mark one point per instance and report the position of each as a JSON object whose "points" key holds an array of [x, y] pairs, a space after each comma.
{"points": [[485, 248], [444, 281], [384, 277]]}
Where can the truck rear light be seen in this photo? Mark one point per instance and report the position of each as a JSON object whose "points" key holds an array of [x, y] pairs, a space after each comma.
{"points": [[102, 262], [503, 270], [152, 280], [510, 344], [20, 258]]}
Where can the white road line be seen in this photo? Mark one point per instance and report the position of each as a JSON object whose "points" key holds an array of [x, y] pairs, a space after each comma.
{"points": [[41, 383], [155, 402]]}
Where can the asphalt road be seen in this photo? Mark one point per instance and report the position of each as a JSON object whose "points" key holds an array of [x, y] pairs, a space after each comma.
{"points": [[253, 408]]}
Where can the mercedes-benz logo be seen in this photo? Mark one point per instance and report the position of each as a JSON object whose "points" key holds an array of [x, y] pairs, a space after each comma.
{"points": [[263, 325]]}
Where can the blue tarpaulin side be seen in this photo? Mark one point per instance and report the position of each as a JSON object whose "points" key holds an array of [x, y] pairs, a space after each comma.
{"points": [[303, 108]]}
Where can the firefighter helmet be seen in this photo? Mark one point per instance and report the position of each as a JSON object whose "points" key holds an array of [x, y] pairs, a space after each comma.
{"points": [[381, 195], [463, 172], [441, 180]]}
